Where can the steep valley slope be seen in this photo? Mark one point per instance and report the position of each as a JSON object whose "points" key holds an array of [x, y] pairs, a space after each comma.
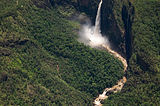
{"points": [[42, 63]]}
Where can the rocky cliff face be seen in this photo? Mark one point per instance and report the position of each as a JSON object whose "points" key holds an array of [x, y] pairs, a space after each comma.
{"points": [[111, 28], [115, 24], [127, 17]]}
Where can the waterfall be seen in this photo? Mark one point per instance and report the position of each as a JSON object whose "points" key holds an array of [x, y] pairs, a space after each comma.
{"points": [[91, 35], [96, 38], [97, 31]]}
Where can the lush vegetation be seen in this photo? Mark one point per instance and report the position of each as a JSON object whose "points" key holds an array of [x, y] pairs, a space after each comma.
{"points": [[143, 85], [42, 63]]}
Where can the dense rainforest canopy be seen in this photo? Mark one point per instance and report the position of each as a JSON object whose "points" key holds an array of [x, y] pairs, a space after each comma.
{"points": [[42, 63]]}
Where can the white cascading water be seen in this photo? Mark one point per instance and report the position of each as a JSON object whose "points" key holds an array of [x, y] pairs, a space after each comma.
{"points": [[97, 23], [91, 35], [97, 38]]}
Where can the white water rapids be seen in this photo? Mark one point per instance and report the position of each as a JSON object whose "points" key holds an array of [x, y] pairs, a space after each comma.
{"points": [[121, 82], [91, 35]]}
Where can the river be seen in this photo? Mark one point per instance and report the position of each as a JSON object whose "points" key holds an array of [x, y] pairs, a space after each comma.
{"points": [[120, 83]]}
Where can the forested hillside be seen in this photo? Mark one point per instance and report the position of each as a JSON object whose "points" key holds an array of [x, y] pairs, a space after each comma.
{"points": [[41, 61]]}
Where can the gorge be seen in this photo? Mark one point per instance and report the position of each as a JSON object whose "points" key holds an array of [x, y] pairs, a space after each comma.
{"points": [[92, 36], [48, 57]]}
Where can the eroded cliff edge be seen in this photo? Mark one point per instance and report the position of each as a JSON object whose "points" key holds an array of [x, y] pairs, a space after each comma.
{"points": [[116, 22]]}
